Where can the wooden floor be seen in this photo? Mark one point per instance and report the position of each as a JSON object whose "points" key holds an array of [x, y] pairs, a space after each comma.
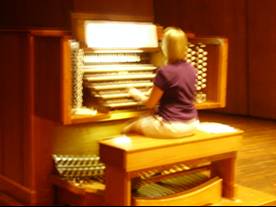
{"points": [[256, 166]]}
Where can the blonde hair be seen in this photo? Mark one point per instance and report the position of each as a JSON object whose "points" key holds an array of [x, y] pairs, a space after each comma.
{"points": [[174, 44]]}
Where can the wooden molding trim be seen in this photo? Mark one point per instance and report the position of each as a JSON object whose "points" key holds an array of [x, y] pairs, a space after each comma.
{"points": [[20, 193], [6, 200]]}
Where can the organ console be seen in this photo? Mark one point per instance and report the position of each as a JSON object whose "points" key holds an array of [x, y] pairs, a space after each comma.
{"points": [[108, 57]]}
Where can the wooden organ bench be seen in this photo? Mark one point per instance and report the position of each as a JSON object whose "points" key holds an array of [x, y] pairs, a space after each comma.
{"points": [[126, 156]]}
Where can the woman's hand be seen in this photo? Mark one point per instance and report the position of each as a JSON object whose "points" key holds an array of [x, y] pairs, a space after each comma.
{"points": [[150, 102], [149, 92], [137, 94]]}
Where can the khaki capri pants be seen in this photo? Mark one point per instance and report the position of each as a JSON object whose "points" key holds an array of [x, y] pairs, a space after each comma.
{"points": [[155, 126]]}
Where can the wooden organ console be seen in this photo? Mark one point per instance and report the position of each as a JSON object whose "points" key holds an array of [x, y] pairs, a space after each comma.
{"points": [[107, 58]]}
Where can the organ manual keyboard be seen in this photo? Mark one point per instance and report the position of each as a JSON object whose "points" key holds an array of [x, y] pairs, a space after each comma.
{"points": [[108, 57], [116, 58]]}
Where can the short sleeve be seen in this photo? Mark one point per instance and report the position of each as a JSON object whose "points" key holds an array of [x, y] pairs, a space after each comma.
{"points": [[160, 80]]}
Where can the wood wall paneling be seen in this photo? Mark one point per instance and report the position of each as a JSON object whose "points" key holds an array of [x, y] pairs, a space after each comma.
{"points": [[16, 177], [29, 139], [262, 56], [43, 166], [1, 112], [53, 13], [142, 8], [47, 77], [26, 146], [13, 13], [50, 13], [217, 17], [13, 133], [32, 13]]}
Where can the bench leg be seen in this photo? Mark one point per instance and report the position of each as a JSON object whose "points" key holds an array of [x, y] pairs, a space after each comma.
{"points": [[225, 169], [118, 187]]}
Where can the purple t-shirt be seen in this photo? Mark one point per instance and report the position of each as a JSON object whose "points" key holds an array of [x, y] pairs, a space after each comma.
{"points": [[178, 83]]}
